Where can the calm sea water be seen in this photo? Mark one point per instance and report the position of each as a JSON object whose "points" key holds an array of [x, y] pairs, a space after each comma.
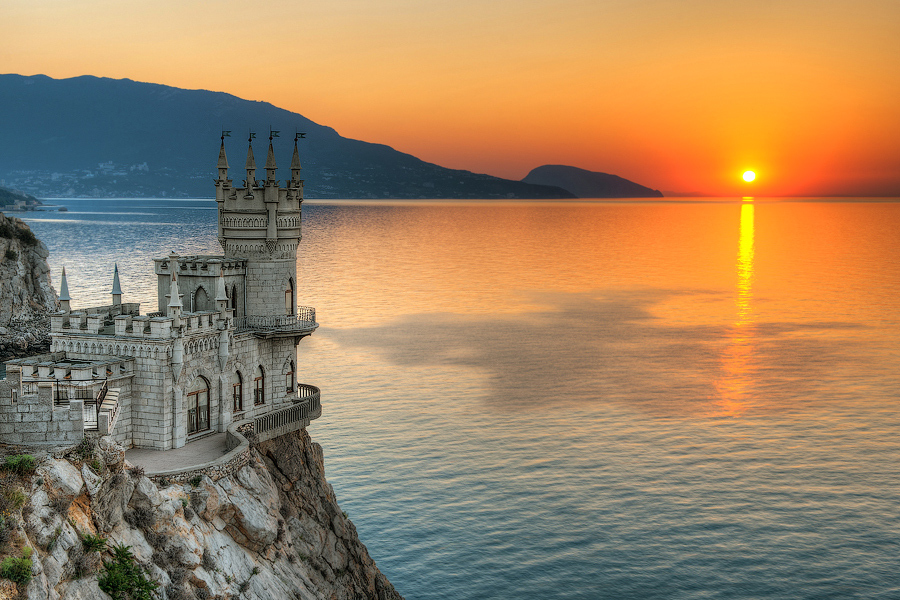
{"points": [[585, 400]]}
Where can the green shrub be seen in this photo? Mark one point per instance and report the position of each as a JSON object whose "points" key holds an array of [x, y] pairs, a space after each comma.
{"points": [[124, 579], [93, 543], [196, 480], [11, 254], [17, 569], [20, 464]]}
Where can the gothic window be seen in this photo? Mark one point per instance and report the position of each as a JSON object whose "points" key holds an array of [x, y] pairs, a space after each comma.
{"points": [[234, 300], [259, 386], [198, 406], [289, 378], [289, 304], [237, 392], [201, 300]]}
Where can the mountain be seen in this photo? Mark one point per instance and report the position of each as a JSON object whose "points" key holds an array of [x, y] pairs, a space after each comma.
{"points": [[589, 184], [91, 136]]}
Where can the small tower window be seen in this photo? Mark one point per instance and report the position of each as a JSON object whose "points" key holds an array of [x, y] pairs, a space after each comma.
{"points": [[259, 386]]}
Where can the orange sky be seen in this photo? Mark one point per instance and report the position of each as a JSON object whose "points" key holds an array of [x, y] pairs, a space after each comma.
{"points": [[680, 95]]}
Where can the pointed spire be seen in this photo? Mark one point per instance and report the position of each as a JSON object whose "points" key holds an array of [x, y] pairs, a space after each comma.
{"points": [[174, 296], [295, 160], [220, 288], [270, 159], [223, 160], [251, 162], [117, 289], [64, 288], [64, 293]]}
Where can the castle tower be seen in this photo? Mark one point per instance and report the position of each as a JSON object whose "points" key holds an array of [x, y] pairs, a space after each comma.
{"points": [[261, 224]]}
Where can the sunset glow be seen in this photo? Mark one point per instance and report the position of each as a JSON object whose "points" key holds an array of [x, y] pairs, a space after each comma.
{"points": [[749, 176], [668, 94]]}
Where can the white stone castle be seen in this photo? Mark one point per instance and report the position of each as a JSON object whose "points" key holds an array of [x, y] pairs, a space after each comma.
{"points": [[222, 347]]}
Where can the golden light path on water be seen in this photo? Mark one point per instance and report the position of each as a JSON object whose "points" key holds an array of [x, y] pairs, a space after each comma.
{"points": [[738, 360]]}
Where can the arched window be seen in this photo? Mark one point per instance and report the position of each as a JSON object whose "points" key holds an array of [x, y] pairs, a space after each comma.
{"points": [[198, 406], [289, 378], [237, 392], [234, 298], [259, 386], [201, 300], [290, 307]]}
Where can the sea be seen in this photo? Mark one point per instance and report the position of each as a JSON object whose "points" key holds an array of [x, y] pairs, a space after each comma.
{"points": [[667, 399]]}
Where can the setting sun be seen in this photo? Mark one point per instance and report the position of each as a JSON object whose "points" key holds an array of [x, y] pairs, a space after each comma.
{"points": [[749, 176]]}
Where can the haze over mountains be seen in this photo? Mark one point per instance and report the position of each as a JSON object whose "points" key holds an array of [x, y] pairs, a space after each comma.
{"points": [[100, 137]]}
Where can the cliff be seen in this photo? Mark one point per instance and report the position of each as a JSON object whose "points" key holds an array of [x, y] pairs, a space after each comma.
{"points": [[272, 530], [26, 294], [589, 184]]}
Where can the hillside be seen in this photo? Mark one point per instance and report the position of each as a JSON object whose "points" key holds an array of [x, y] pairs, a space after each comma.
{"points": [[13, 200], [99, 137], [589, 184]]}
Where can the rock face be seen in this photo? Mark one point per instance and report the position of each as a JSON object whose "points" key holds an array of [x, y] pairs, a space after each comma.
{"points": [[272, 530], [589, 184], [26, 294]]}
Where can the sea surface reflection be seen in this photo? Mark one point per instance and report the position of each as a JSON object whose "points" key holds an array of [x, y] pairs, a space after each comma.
{"points": [[586, 400]]}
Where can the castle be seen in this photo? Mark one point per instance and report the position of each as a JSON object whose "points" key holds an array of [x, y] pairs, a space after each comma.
{"points": [[221, 348]]}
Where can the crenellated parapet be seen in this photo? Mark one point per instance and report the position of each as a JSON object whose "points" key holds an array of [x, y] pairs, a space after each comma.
{"points": [[260, 219]]}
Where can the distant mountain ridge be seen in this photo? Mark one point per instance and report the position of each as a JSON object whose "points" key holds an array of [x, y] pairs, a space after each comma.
{"points": [[100, 137], [589, 184]]}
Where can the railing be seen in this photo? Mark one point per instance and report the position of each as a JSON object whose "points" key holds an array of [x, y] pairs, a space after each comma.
{"points": [[281, 421], [311, 395], [292, 418], [304, 320]]}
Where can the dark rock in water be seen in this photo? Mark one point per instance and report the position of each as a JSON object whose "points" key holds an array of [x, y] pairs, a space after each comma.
{"points": [[589, 184]]}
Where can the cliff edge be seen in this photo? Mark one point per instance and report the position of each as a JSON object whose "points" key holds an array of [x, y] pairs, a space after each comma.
{"points": [[26, 294], [272, 530]]}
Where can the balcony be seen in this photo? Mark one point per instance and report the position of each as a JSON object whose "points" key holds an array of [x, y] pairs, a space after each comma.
{"points": [[301, 324], [306, 407]]}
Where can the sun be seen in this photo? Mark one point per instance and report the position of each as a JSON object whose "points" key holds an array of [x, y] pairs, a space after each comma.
{"points": [[749, 176]]}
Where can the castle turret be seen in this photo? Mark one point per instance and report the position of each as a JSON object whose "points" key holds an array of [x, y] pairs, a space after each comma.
{"points": [[175, 306], [270, 163], [295, 166], [222, 165], [250, 166], [261, 224]]}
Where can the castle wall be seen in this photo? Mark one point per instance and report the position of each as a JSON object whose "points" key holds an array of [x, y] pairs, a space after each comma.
{"points": [[33, 420], [266, 284]]}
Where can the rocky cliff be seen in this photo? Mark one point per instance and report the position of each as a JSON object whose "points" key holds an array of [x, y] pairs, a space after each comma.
{"points": [[26, 294], [271, 531]]}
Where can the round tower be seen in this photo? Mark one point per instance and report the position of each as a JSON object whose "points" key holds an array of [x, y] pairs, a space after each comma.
{"points": [[260, 223]]}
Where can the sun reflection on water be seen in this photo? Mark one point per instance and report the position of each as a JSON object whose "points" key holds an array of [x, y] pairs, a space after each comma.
{"points": [[738, 357]]}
